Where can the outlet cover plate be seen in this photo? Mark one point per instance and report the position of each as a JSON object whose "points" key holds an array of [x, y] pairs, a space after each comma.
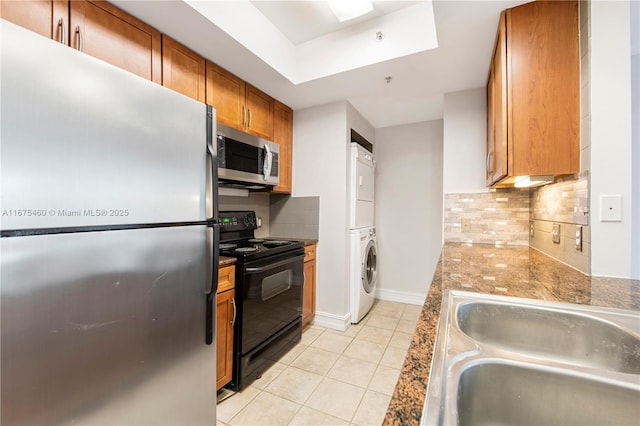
{"points": [[555, 233]]}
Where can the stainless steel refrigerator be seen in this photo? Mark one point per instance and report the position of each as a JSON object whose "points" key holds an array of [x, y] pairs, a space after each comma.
{"points": [[109, 243]]}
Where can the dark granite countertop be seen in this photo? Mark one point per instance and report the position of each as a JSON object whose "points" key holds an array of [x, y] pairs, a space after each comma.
{"points": [[509, 271], [226, 261]]}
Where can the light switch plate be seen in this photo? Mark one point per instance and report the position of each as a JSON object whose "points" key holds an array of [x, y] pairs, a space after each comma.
{"points": [[611, 208]]}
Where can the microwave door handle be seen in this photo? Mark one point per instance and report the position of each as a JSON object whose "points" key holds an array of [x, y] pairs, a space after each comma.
{"points": [[268, 159]]}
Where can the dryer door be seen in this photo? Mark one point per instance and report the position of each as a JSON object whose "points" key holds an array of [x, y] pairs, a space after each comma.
{"points": [[369, 267]]}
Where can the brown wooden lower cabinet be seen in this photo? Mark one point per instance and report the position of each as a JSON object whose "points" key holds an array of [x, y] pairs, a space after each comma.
{"points": [[309, 290], [225, 316]]}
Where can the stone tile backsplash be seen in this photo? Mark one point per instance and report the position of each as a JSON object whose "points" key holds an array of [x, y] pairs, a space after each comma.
{"points": [[498, 217], [566, 201], [295, 217], [504, 217]]}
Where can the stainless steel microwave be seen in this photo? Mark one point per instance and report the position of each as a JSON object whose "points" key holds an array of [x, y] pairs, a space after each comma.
{"points": [[246, 161]]}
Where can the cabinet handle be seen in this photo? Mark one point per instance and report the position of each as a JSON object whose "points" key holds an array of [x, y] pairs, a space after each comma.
{"points": [[244, 116], [249, 126], [79, 37], [233, 321], [489, 168], [63, 38]]}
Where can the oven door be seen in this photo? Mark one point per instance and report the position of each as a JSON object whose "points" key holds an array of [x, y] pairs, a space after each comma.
{"points": [[272, 297]]}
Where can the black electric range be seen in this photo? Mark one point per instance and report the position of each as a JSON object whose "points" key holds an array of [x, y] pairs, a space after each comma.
{"points": [[257, 248], [268, 295]]}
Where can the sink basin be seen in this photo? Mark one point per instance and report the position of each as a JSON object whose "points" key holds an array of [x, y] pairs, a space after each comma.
{"points": [[510, 361], [568, 336], [499, 393]]}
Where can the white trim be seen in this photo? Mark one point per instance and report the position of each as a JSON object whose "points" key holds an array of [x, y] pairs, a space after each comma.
{"points": [[333, 321], [401, 296]]}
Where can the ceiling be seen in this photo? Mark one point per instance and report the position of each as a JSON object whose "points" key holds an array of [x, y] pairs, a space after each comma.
{"points": [[302, 21], [297, 52]]}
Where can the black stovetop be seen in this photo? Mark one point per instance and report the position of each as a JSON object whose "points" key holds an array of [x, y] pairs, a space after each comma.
{"points": [[256, 248], [237, 238]]}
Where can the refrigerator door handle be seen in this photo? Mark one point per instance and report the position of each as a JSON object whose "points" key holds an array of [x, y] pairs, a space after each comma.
{"points": [[213, 232], [213, 256], [213, 238], [212, 187]]}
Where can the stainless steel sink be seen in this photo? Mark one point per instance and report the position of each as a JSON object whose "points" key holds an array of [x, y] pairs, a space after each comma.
{"points": [[510, 361], [494, 392], [571, 336]]}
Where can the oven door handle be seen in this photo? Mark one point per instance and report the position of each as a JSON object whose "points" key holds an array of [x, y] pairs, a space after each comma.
{"points": [[274, 265]]}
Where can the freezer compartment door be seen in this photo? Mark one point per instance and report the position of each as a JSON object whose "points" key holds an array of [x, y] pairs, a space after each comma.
{"points": [[87, 144], [107, 328]]}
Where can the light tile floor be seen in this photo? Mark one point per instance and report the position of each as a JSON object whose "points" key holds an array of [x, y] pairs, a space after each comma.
{"points": [[331, 377]]}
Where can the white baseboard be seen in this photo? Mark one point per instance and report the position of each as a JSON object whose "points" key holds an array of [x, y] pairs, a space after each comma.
{"points": [[333, 321], [401, 296]]}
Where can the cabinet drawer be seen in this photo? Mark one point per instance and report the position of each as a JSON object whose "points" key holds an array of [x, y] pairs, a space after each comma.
{"points": [[309, 252], [226, 278]]}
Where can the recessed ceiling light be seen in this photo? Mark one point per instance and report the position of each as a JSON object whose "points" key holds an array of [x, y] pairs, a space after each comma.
{"points": [[349, 9]]}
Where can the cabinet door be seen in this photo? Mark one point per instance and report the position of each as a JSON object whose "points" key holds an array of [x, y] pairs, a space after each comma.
{"points": [[225, 92], [497, 149], [260, 113], [183, 70], [225, 313], [226, 278], [283, 136], [544, 88], [107, 33], [45, 17], [309, 292]]}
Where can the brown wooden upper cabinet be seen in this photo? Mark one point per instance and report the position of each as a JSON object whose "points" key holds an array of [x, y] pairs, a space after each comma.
{"points": [[238, 104], [283, 136], [183, 70], [102, 30], [45, 17], [533, 93], [497, 108], [97, 28]]}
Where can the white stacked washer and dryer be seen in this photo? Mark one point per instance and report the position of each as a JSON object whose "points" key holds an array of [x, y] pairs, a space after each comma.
{"points": [[363, 250]]}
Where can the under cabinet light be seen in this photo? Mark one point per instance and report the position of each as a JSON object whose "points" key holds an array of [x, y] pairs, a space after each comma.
{"points": [[349, 9], [529, 181]]}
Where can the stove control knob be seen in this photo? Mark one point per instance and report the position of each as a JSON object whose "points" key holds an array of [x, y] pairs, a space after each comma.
{"points": [[250, 221]]}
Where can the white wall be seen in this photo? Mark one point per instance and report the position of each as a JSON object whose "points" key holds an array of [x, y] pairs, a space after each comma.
{"points": [[320, 169], [611, 154], [408, 209], [465, 141]]}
